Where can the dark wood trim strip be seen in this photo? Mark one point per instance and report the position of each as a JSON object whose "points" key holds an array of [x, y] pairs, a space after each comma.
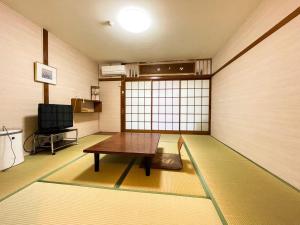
{"points": [[169, 132], [45, 61], [111, 79], [123, 105], [209, 108], [210, 99], [46, 93], [104, 133], [167, 61], [279, 25], [167, 69], [45, 46], [169, 77], [179, 106], [151, 104]]}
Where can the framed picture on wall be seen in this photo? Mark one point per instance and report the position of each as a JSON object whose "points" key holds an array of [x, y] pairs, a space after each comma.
{"points": [[44, 73]]}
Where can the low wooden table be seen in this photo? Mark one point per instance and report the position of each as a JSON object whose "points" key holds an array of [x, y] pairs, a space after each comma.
{"points": [[127, 144]]}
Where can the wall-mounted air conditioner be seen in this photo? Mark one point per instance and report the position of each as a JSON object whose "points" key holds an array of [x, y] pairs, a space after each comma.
{"points": [[113, 70]]}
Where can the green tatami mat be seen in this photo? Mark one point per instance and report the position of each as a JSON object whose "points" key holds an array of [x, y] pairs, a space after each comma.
{"points": [[81, 171], [36, 166], [245, 193], [169, 138], [53, 204], [184, 182], [167, 147]]}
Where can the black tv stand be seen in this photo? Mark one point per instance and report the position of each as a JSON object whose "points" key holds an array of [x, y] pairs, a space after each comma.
{"points": [[53, 143]]}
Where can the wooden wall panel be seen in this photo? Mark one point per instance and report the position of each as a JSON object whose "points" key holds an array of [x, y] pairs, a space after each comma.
{"points": [[168, 68], [45, 61], [256, 103]]}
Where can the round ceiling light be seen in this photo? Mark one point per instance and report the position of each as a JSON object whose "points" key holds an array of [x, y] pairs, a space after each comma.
{"points": [[134, 19]]}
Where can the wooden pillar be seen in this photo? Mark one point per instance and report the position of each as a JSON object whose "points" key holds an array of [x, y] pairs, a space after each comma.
{"points": [[45, 61], [123, 127]]}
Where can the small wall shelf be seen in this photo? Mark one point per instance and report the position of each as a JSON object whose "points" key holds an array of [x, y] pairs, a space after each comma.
{"points": [[86, 105]]}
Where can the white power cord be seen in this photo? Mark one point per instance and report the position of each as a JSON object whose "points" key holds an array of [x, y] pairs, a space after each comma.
{"points": [[11, 147]]}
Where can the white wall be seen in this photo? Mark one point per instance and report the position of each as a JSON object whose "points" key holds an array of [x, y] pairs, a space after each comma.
{"points": [[20, 47], [267, 14], [76, 74], [110, 118], [256, 99]]}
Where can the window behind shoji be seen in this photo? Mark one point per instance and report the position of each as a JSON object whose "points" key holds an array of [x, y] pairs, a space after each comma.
{"points": [[172, 105]]}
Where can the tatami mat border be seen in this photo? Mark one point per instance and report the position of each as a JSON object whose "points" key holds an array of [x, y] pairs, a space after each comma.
{"points": [[20, 189], [269, 172], [124, 174], [120, 180], [120, 189], [36, 180], [205, 186], [61, 167], [117, 184]]}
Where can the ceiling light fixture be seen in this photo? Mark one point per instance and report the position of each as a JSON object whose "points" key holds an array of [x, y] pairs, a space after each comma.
{"points": [[134, 19]]}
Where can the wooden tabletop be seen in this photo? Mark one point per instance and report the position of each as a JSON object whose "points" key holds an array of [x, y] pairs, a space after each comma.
{"points": [[137, 144]]}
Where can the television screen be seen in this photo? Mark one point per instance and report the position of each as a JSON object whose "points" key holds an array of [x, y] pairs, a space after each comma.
{"points": [[53, 117]]}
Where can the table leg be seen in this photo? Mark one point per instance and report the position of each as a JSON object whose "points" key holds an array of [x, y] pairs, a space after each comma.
{"points": [[148, 165], [97, 161]]}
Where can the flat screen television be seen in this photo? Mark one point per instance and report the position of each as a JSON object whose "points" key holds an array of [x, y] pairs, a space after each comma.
{"points": [[52, 118]]}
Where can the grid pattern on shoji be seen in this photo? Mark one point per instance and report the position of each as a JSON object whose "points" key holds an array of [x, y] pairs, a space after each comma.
{"points": [[194, 105], [172, 105], [138, 105], [165, 105]]}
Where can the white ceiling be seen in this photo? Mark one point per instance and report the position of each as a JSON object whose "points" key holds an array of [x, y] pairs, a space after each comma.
{"points": [[181, 29]]}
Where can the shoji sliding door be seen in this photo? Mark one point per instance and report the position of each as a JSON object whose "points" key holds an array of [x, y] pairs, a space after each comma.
{"points": [[138, 105], [194, 105], [167, 106]]}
